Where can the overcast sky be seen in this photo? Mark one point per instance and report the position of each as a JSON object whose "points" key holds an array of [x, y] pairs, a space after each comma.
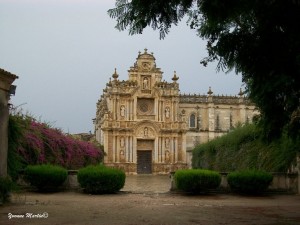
{"points": [[65, 51]]}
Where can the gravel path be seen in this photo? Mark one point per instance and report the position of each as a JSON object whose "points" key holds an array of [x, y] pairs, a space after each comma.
{"points": [[135, 206]]}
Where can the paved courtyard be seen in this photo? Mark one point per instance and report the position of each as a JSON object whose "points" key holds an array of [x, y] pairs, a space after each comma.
{"points": [[147, 183], [146, 200]]}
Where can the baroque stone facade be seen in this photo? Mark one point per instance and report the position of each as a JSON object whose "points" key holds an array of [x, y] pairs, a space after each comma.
{"points": [[147, 126]]}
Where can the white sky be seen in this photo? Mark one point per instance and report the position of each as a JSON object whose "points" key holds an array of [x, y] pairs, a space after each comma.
{"points": [[64, 52]]}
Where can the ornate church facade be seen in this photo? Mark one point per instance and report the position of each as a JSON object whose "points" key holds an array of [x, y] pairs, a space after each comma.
{"points": [[147, 126]]}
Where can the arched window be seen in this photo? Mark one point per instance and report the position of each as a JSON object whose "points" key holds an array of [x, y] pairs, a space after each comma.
{"points": [[192, 120]]}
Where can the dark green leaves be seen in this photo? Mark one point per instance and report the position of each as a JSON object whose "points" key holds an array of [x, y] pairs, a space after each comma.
{"points": [[258, 39]]}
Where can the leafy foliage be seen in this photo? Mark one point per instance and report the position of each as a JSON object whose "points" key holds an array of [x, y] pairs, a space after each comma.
{"points": [[259, 39], [45, 177], [6, 185], [197, 180], [100, 179], [15, 162], [138, 14], [249, 181], [242, 149]]}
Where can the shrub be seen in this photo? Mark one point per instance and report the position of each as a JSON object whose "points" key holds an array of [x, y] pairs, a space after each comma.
{"points": [[6, 186], [243, 149], [249, 181], [197, 180], [45, 177], [100, 179]]}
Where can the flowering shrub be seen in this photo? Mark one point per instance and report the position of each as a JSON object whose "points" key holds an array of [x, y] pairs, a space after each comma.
{"points": [[42, 144]]}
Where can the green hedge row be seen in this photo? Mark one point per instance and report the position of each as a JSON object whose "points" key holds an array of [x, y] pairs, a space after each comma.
{"points": [[197, 180], [249, 181], [93, 179], [100, 179], [45, 177]]}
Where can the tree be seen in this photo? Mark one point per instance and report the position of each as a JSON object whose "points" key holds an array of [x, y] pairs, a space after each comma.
{"points": [[260, 39]]}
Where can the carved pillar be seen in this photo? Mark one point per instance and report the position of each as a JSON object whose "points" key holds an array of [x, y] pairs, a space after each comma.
{"points": [[160, 149], [242, 114], [134, 152], [134, 109], [175, 149], [211, 122], [156, 103], [156, 150]]}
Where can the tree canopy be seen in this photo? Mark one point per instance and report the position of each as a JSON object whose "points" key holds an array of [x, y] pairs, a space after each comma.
{"points": [[260, 39]]}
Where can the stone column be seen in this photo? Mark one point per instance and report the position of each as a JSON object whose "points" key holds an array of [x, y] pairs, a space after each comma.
{"points": [[6, 79]]}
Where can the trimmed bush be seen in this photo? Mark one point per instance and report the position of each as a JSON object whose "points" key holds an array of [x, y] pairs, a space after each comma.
{"points": [[45, 177], [6, 186], [249, 181], [197, 180], [100, 179]]}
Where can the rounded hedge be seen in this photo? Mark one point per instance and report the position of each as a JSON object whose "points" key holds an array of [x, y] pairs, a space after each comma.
{"points": [[100, 179], [249, 181], [45, 177], [197, 180]]}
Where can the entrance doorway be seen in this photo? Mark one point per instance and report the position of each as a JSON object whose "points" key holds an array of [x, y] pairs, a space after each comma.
{"points": [[144, 162]]}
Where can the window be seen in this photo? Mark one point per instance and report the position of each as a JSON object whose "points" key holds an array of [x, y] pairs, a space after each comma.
{"points": [[192, 120], [218, 122]]}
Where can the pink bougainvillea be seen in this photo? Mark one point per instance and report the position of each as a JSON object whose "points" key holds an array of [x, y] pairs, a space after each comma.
{"points": [[43, 144]]}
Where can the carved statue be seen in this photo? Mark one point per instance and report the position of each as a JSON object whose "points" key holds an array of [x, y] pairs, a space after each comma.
{"points": [[167, 142], [167, 156], [167, 112], [145, 83], [122, 142], [146, 131], [122, 110]]}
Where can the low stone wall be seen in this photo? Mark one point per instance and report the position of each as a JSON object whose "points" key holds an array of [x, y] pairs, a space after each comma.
{"points": [[157, 168], [71, 182]]}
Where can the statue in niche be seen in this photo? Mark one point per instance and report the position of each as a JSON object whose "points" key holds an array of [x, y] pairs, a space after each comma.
{"points": [[122, 156], [145, 83], [167, 112], [146, 131], [122, 142], [167, 142], [109, 115], [199, 123], [122, 110], [167, 156]]}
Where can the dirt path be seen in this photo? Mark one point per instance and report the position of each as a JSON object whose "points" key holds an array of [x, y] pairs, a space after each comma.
{"points": [[152, 208]]}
